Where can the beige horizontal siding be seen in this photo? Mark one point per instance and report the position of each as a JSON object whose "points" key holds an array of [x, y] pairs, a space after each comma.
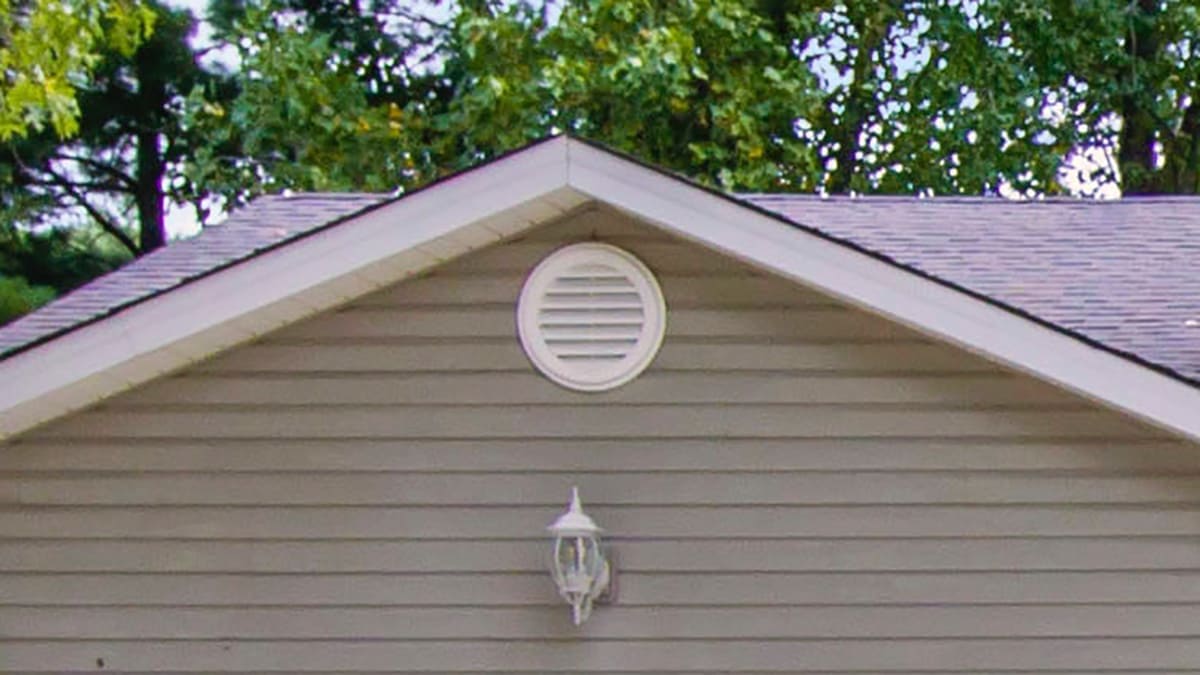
{"points": [[634, 522], [519, 257], [1096, 654], [615, 623], [544, 671], [688, 555], [526, 388], [793, 487], [591, 421], [819, 324], [704, 290], [1114, 589], [502, 354], [229, 456], [659, 488]]}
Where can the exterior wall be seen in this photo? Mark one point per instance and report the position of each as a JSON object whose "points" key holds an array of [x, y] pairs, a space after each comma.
{"points": [[794, 486]]}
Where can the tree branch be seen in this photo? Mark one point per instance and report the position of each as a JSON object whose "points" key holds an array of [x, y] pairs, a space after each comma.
{"points": [[99, 216], [99, 166], [81, 185]]}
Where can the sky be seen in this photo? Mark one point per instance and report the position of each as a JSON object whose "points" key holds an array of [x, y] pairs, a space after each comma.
{"points": [[181, 221]]}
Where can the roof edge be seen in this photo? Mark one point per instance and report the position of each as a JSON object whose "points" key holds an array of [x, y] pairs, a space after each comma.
{"points": [[878, 284], [325, 267], [351, 256], [741, 200], [385, 200]]}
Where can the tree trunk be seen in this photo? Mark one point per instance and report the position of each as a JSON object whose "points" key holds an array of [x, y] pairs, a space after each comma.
{"points": [[152, 102], [152, 233], [1185, 150], [872, 28], [1136, 156]]}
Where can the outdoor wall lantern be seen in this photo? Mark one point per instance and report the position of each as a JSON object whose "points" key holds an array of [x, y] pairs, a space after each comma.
{"points": [[580, 570]]}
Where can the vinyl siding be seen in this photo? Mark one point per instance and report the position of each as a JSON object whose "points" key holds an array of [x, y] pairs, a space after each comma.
{"points": [[794, 486]]}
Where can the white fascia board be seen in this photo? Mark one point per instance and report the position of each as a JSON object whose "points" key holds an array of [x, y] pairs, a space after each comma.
{"points": [[499, 200], [283, 285], [882, 288]]}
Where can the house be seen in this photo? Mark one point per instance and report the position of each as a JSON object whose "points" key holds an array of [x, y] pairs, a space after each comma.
{"points": [[872, 435]]}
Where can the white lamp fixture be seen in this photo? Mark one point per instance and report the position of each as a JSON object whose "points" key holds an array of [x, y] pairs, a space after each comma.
{"points": [[580, 570]]}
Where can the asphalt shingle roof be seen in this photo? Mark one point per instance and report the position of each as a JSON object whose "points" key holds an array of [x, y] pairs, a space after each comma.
{"points": [[264, 223], [1124, 275]]}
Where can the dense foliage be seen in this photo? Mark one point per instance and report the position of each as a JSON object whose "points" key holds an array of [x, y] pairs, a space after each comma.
{"points": [[1016, 97], [901, 97], [47, 51]]}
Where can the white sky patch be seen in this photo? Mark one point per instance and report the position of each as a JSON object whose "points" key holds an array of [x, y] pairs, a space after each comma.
{"points": [[180, 220]]}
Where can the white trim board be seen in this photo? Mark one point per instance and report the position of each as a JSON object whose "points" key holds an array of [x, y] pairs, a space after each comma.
{"points": [[283, 285], [503, 198], [909, 298]]}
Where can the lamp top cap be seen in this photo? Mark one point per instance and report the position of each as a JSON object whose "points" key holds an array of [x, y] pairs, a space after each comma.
{"points": [[574, 522]]}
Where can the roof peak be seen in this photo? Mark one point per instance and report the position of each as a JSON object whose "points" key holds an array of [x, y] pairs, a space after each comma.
{"points": [[1103, 303]]}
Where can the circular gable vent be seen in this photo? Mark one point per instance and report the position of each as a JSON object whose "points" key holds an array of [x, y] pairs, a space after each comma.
{"points": [[591, 317]]}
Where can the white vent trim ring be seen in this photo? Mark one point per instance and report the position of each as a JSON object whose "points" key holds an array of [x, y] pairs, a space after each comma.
{"points": [[591, 317]]}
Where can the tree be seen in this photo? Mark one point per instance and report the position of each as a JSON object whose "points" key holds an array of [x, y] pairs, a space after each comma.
{"points": [[507, 75], [48, 47], [967, 97], [1025, 97], [115, 173], [301, 118], [388, 41], [1036, 96], [74, 208], [1155, 80], [36, 266], [704, 87], [974, 97]]}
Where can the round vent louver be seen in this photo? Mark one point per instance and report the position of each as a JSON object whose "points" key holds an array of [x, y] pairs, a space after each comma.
{"points": [[591, 317]]}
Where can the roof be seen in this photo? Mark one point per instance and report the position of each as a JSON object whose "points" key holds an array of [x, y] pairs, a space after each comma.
{"points": [[1095, 297], [261, 225], [1124, 274], [1121, 273]]}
